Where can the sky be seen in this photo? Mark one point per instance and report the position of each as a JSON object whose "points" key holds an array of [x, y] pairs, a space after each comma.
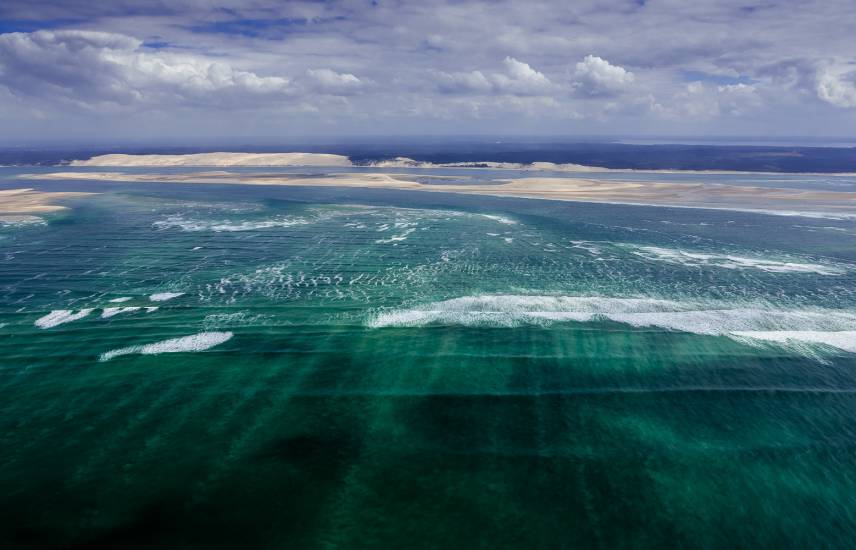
{"points": [[148, 69]]}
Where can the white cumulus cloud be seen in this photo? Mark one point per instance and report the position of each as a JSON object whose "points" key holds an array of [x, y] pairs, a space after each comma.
{"points": [[91, 69], [837, 87], [518, 78], [595, 76], [329, 81]]}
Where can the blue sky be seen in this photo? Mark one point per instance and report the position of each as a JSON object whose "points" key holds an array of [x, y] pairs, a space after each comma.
{"points": [[143, 69]]}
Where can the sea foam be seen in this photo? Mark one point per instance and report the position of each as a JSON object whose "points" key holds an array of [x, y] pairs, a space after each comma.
{"points": [[843, 339], [728, 261], [60, 317], [501, 219], [164, 296], [397, 238], [108, 312], [195, 342], [742, 322], [218, 226]]}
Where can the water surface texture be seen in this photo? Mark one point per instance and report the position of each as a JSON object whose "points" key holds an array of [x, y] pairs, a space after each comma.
{"points": [[219, 366]]}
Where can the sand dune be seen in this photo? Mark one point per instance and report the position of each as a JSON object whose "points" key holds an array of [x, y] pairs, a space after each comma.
{"points": [[218, 159]]}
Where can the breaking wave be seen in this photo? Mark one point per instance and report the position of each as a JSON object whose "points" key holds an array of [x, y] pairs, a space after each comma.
{"points": [[61, 316], [108, 312], [195, 342], [728, 261], [17, 221], [397, 238], [164, 296], [756, 323], [218, 226], [501, 219]]}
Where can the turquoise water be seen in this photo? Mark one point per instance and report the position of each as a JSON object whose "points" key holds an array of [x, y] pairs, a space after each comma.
{"points": [[352, 368]]}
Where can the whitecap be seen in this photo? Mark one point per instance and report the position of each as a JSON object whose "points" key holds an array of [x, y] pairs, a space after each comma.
{"points": [[120, 300], [729, 261], [195, 342], [588, 246], [844, 339], [500, 219], [164, 296], [108, 312], [397, 238], [741, 322], [218, 226], [61, 316], [20, 220]]}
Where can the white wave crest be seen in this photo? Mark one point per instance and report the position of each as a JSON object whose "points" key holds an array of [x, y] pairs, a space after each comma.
{"points": [[843, 339], [227, 225], [698, 259], [195, 342], [60, 317], [397, 238], [164, 296], [832, 328], [20, 220], [501, 219], [112, 311], [514, 310]]}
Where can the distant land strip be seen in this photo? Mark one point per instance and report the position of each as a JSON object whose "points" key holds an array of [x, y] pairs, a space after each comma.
{"points": [[262, 160], [780, 201]]}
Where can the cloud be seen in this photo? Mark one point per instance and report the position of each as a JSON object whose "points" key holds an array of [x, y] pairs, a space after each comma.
{"points": [[518, 78], [522, 79], [97, 69], [698, 102], [329, 81], [472, 82], [596, 77], [837, 86], [738, 99], [456, 66]]}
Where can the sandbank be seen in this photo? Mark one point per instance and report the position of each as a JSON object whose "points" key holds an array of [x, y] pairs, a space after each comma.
{"points": [[30, 201], [697, 195]]}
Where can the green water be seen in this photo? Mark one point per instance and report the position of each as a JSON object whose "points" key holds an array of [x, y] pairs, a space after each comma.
{"points": [[404, 370]]}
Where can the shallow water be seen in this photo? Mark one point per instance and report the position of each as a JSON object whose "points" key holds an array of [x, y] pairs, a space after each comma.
{"points": [[201, 366]]}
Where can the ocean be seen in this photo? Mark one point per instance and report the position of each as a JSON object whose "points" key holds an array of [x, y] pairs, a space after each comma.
{"points": [[190, 365]]}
